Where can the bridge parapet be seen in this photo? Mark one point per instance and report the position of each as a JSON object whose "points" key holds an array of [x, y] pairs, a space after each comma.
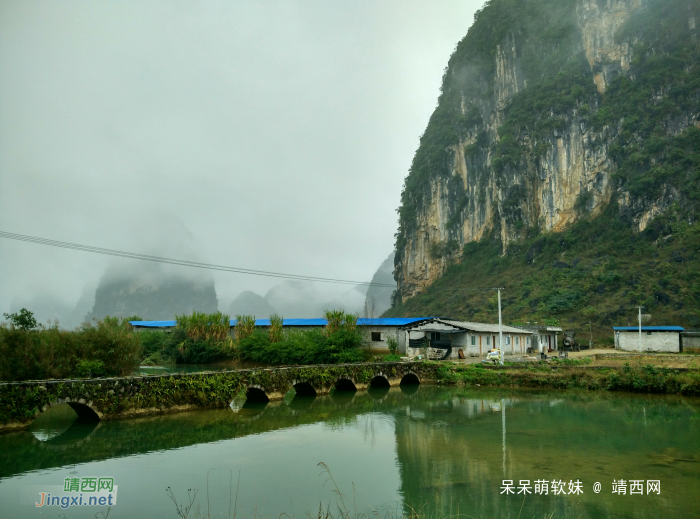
{"points": [[107, 398]]}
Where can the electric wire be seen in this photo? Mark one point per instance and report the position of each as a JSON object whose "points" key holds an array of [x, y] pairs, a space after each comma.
{"points": [[184, 263]]}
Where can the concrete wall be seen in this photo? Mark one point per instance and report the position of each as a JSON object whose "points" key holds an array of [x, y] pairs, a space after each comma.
{"points": [[690, 340], [403, 341], [386, 332], [668, 342]]}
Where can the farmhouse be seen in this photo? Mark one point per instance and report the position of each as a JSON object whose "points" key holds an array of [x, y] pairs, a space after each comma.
{"points": [[653, 338], [445, 338], [544, 338]]}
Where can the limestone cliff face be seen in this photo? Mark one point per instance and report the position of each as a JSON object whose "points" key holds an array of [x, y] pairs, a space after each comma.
{"points": [[497, 177]]}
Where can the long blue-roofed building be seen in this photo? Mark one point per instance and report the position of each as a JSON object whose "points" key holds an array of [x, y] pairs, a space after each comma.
{"points": [[377, 330]]}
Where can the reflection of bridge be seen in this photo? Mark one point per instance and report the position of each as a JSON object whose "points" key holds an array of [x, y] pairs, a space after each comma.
{"points": [[83, 442], [95, 399]]}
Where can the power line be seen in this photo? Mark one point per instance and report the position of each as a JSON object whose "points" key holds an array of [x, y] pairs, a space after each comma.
{"points": [[184, 263]]}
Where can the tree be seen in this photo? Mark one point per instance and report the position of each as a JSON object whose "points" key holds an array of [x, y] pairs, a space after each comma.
{"points": [[24, 320]]}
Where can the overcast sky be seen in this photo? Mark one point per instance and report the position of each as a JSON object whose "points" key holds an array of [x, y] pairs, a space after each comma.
{"points": [[270, 135]]}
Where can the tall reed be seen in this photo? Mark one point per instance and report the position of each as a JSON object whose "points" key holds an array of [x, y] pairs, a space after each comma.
{"points": [[245, 326], [339, 320], [276, 329], [205, 327]]}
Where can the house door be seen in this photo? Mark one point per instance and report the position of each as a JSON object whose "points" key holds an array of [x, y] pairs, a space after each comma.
{"points": [[480, 345]]}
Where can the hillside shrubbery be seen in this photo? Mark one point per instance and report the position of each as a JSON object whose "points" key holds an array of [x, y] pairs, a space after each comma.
{"points": [[107, 348]]}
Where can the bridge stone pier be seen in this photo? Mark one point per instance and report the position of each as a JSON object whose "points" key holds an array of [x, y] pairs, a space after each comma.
{"points": [[109, 398]]}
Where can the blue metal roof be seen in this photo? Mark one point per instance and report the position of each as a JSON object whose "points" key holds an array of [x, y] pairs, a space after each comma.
{"points": [[649, 328], [388, 321], [153, 324]]}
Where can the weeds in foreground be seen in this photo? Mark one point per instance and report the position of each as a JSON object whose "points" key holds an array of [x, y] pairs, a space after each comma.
{"points": [[191, 509]]}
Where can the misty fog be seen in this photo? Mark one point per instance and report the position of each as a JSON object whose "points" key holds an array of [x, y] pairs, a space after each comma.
{"points": [[265, 135]]}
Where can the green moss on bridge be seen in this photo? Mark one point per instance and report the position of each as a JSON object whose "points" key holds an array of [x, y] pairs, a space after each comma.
{"points": [[21, 402]]}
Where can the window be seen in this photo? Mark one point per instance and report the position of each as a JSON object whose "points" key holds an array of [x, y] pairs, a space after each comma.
{"points": [[376, 336], [517, 341], [507, 340], [488, 341], [473, 340], [648, 333], [434, 336]]}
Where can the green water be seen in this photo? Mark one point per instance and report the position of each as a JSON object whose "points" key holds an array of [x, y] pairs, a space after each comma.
{"points": [[443, 451]]}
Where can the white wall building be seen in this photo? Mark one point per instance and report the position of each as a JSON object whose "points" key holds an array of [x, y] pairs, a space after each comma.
{"points": [[664, 339], [448, 337]]}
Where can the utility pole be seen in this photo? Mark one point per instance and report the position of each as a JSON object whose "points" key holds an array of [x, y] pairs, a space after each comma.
{"points": [[500, 328], [640, 329]]}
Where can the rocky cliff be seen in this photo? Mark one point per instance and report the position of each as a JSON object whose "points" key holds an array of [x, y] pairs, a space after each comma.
{"points": [[553, 112]]}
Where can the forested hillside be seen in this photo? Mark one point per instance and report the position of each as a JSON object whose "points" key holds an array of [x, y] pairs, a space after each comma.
{"points": [[562, 163]]}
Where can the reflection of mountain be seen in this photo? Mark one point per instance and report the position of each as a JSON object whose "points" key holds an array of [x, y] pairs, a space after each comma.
{"points": [[250, 303], [153, 298], [452, 451], [379, 298], [449, 446]]}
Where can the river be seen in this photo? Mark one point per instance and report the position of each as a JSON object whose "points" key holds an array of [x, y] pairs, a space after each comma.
{"points": [[441, 451]]}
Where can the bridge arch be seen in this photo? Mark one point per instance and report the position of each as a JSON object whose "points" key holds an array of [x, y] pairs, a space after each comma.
{"points": [[86, 411], [256, 394], [409, 379], [345, 384], [379, 380], [304, 388]]}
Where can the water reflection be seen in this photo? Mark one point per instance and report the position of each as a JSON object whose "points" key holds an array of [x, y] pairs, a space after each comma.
{"points": [[302, 402], [452, 447], [409, 389], [378, 393]]}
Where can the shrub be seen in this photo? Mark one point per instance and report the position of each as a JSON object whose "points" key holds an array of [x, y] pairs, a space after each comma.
{"points": [[304, 347], [393, 344], [106, 348], [91, 368]]}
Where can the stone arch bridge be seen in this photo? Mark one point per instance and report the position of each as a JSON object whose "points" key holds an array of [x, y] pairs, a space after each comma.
{"points": [[108, 398]]}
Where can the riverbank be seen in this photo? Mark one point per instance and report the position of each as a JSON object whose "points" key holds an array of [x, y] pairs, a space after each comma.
{"points": [[574, 374], [107, 398]]}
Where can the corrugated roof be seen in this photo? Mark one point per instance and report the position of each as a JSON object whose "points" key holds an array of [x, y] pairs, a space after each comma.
{"points": [[153, 324], [649, 328], [477, 327], [388, 321]]}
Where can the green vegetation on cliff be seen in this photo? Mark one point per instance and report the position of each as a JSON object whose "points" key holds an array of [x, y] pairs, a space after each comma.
{"points": [[597, 271], [600, 267]]}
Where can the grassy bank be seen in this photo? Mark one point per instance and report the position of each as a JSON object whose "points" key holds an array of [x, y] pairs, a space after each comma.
{"points": [[573, 375]]}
